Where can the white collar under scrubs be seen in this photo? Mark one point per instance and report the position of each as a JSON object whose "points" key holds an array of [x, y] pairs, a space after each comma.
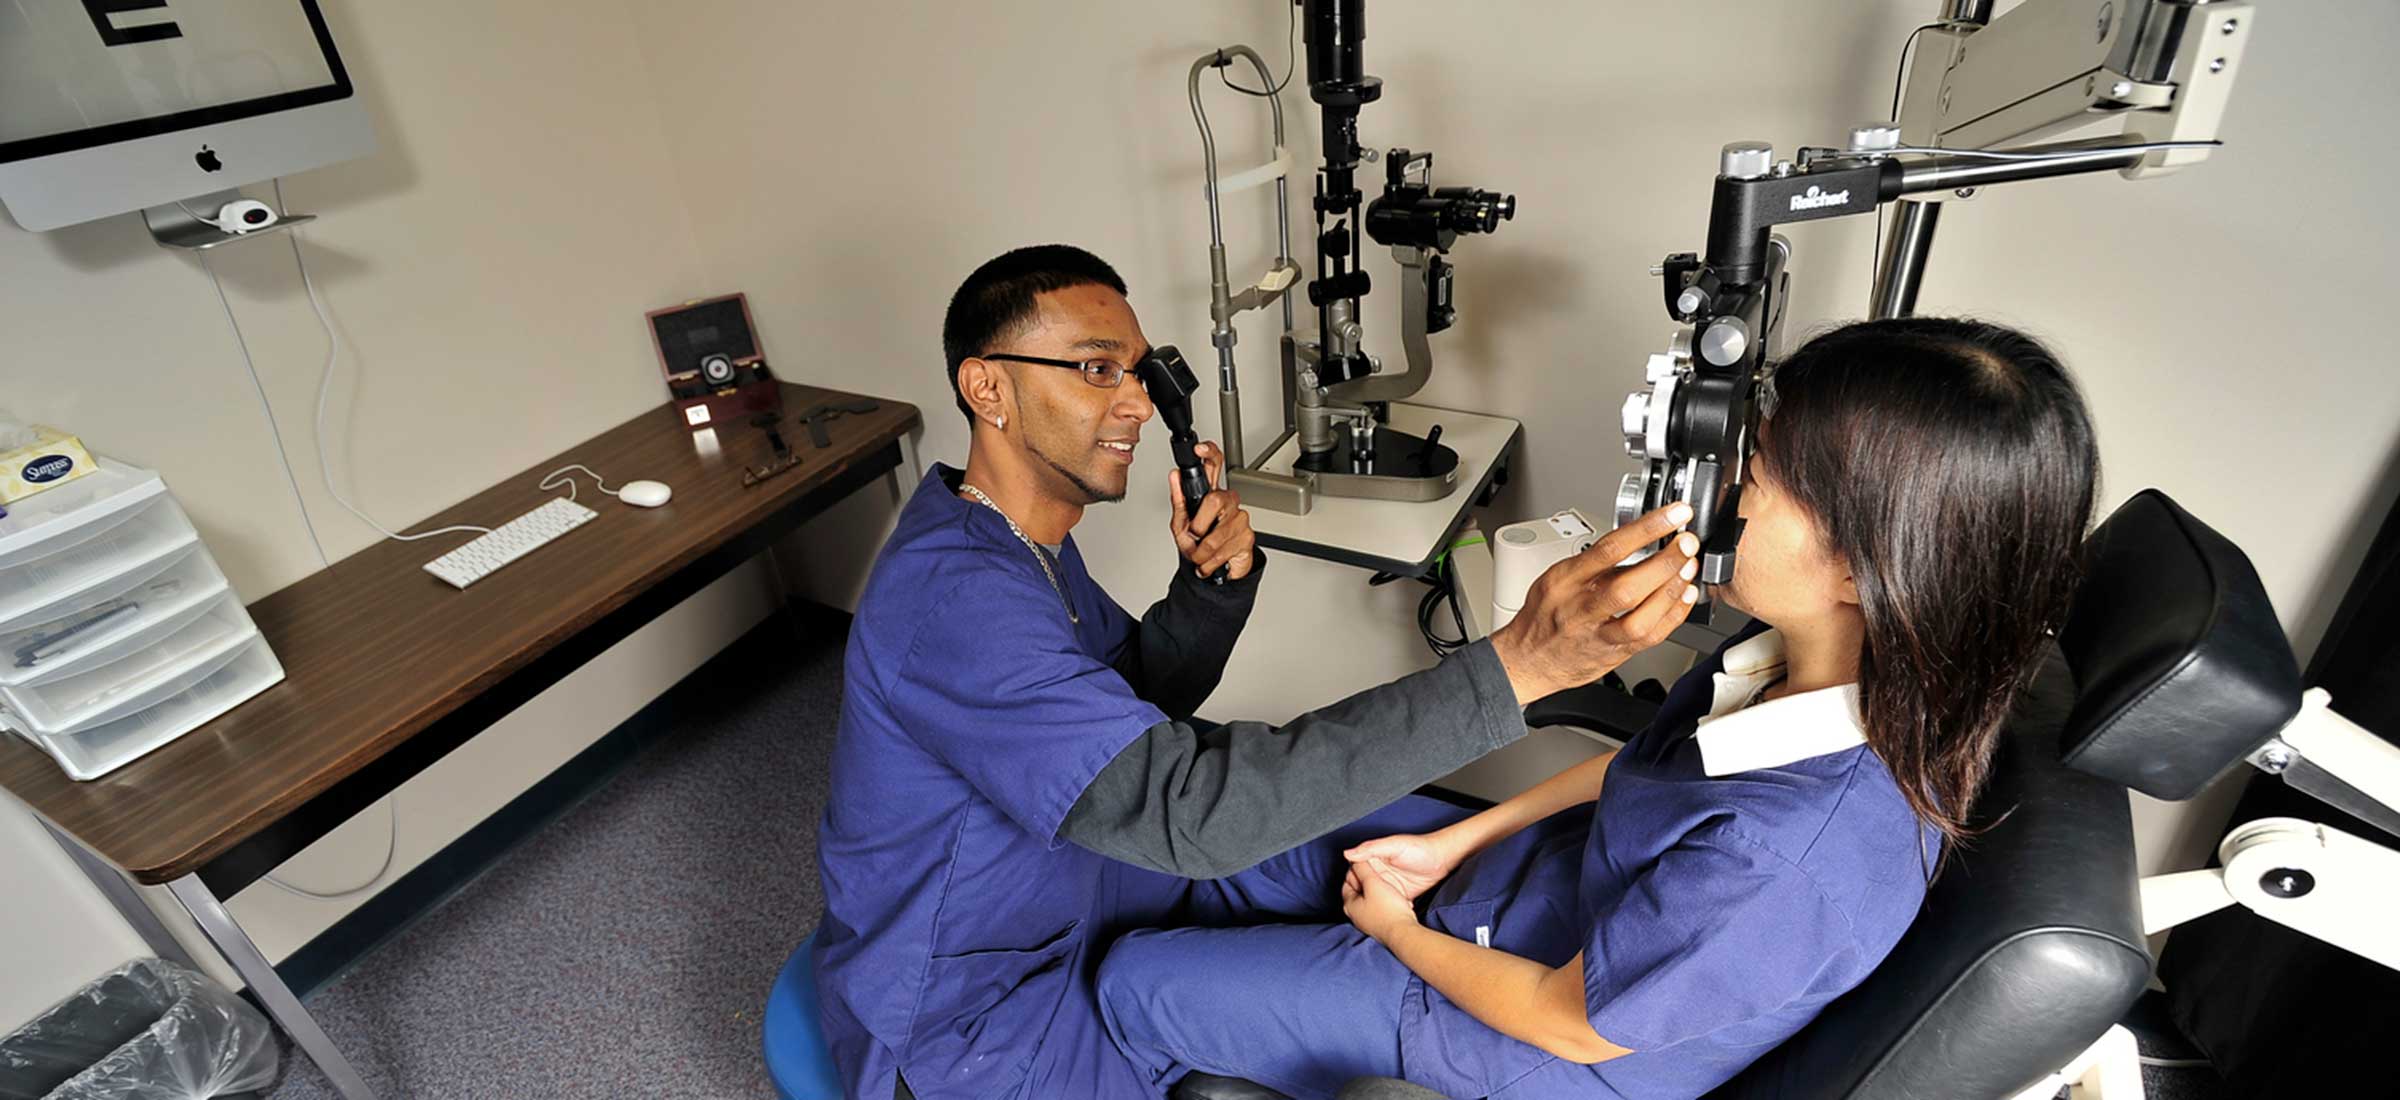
{"points": [[1742, 733]]}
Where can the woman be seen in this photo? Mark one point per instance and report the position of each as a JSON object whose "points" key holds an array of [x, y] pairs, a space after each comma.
{"points": [[1911, 524]]}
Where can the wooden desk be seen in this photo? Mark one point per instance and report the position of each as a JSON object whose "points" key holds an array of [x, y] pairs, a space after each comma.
{"points": [[387, 668]]}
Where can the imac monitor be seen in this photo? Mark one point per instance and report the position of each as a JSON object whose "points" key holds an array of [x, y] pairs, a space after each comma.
{"points": [[110, 106]]}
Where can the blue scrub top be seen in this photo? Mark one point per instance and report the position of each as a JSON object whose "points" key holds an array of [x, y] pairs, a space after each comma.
{"points": [[1716, 915], [959, 932]]}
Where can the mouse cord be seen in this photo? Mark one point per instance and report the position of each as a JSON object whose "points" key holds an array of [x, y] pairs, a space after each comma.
{"points": [[552, 480]]}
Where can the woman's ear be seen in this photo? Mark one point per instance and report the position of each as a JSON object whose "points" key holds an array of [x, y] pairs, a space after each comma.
{"points": [[1847, 590]]}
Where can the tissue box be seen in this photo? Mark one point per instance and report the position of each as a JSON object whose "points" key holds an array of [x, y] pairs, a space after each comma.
{"points": [[53, 459]]}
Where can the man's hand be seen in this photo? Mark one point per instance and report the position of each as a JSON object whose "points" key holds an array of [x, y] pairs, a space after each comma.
{"points": [[1219, 535], [1585, 615], [1373, 902], [1414, 864]]}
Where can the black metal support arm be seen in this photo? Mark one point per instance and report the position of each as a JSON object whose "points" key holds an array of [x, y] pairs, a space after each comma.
{"points": [[1697, 428], [1335, 33]]}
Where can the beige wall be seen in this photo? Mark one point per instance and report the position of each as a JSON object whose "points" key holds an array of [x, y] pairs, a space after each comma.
{"points": [[846, 164], [488, 269]]}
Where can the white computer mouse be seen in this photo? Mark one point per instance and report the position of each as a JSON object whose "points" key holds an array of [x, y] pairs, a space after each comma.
{"points": [[645, 494]]}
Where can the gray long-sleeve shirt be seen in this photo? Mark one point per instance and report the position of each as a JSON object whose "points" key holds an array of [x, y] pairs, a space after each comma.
{"points": [[1208, 804]]}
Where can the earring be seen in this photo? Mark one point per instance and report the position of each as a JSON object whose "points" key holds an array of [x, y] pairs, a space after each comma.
{"points": [[1000, 422]]}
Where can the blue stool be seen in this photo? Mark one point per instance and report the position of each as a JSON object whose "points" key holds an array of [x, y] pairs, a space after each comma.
{"points": [[793, 1039]]}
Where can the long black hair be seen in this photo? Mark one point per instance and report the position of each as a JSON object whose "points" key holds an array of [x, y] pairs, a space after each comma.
{"points": [[1950, 462]]}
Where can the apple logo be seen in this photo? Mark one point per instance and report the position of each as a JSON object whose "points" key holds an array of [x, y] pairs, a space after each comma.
{"points": [[207, 160]]}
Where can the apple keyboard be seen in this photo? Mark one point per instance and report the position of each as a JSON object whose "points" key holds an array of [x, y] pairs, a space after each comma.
{"points": [[512, 540]]}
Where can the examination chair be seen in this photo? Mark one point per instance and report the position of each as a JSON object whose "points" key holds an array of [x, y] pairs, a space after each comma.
{"points": [[2171, 669]]}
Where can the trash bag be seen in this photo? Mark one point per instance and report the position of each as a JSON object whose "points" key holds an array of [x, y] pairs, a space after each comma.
{"points": [[148, 1030]]}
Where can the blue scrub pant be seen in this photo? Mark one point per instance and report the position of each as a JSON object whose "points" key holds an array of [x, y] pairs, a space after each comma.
{"points": [[1303, 1008]]}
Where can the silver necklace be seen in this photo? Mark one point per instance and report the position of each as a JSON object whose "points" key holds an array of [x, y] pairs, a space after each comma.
{"points": [[1039, 554]]}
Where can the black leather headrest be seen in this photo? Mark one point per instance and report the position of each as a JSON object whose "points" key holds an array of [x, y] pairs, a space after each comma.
{"points": [[2183, 665], [2029, 946]]}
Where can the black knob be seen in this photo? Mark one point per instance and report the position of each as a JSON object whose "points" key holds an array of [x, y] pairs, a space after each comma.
{"points": [[2287, 882], [1433, 441]]}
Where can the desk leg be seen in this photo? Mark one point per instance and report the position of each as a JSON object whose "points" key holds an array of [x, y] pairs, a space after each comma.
{"points": [[122, 893], [909, 470], [268, 986]]}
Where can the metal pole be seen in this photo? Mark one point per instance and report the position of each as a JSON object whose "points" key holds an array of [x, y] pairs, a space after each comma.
{"points": [[1221, 311], [280, 1001], [1901, 268], [2037, 162], [1978, 12]]}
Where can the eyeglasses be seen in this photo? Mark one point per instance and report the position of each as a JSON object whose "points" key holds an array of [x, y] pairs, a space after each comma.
{"points": [[785, 458], [1104, 373]]}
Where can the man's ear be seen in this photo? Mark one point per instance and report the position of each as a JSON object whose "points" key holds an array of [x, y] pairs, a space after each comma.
{"points": [[989, 391]]}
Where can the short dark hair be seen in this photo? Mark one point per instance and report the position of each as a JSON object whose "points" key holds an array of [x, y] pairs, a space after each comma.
{"points": [[1000, 298], [1951, 463]]}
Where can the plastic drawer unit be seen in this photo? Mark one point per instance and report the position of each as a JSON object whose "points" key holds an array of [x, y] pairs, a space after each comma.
{"points": [[118, 633]]}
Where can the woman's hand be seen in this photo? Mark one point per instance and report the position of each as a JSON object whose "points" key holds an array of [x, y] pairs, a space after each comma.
{"points": [[1374, 903], [1413, 863]]}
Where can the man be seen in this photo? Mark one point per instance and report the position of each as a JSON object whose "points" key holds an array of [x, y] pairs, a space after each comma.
{"points": [[1016, 780]]}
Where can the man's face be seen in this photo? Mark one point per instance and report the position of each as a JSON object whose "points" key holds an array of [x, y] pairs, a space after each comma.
{"points": [[1081, 434]]}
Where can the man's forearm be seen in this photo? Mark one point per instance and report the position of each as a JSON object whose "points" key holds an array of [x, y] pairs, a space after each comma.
{"points": [[1207, 807], [1179, 650]]}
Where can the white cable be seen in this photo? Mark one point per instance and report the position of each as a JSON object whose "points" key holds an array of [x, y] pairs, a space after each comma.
{"points": [[205, 220], [333, 351], [549, 480], [391, 847], [281, 453]]}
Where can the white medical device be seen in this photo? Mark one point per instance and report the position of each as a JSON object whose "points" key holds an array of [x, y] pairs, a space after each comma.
{"points": [[1520, 551]]}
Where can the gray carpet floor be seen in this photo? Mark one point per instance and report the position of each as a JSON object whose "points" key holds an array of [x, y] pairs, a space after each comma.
{"points": [[625, 949]]}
